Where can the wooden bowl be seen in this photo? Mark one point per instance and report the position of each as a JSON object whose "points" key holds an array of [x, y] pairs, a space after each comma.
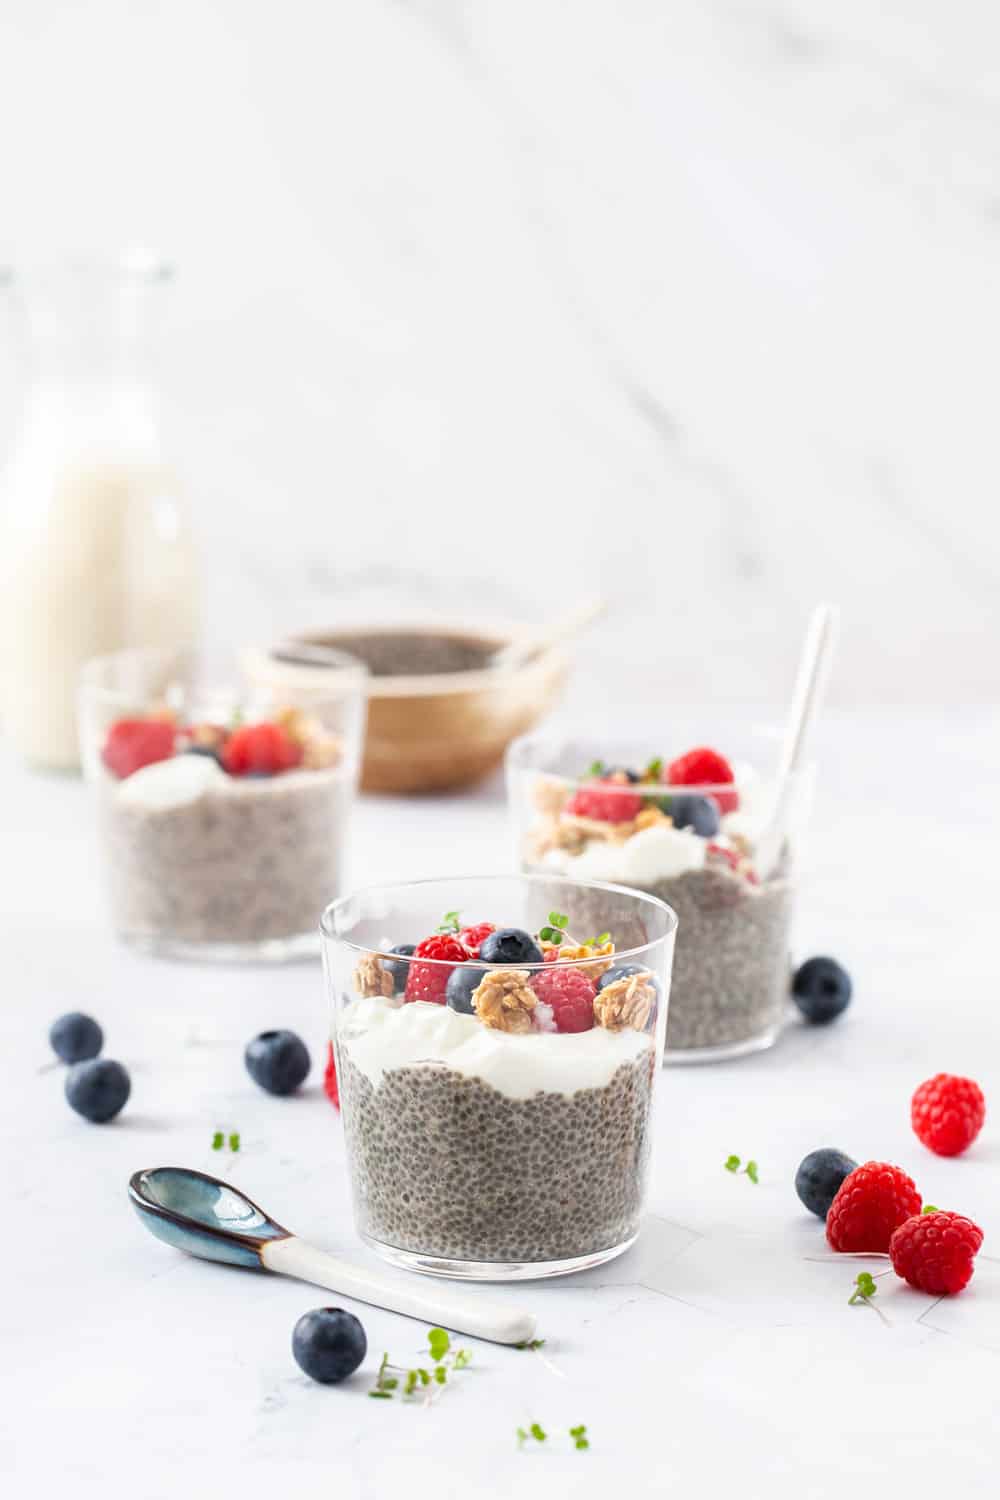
{"points": [[433, 730]]}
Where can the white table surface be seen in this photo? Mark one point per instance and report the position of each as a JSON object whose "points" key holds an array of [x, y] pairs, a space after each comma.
{"points": [[716, 1354]]}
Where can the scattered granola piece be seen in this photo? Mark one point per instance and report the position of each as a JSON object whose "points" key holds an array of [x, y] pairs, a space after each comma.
{"points": [[604, 953], [371, 977], [625, 1002], [650, 817], [504, 1000]]}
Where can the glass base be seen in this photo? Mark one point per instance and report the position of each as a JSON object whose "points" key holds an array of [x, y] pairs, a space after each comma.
{"points": [[494, 1270], [724, 1051], [266, 951]]}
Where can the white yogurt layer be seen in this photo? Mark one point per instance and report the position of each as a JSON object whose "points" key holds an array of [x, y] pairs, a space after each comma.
{"points": [[657, 853], [379, 1038]]}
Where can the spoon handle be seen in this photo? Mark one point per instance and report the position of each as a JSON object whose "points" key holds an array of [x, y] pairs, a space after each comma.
{"points": [[463, 1313]]}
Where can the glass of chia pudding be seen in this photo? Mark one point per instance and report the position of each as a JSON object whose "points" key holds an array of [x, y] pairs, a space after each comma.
{"points": [[222, 812], [692, 829], [497, 1042]]}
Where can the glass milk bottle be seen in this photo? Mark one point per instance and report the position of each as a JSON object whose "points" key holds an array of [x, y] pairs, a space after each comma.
{"points": [[94, 552]]}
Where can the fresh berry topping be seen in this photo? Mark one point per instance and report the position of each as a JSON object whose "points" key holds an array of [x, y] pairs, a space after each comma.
{"points": [[624, 971], [458, 990], [570, 994], [819, 1177], [822, 990], [329, 1344], [510, 945], [75, 1037], [947, 1113], [473, 936], [134, 743], [260, 750], [934, 1252], [277, 1060], [704, 767], [620, 775], [700, 814], [331, 1087], [429, 981], [399, 971], [607, 802], [97, 1089], [869, 1204]]}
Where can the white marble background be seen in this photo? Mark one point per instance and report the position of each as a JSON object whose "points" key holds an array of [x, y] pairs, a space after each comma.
{"points": [[692, 300]]}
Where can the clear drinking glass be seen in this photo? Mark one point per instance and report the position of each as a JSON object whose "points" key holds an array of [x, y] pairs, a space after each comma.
{"points": [[95, 554], [486, 1139], [223, 811], [694, 846]]}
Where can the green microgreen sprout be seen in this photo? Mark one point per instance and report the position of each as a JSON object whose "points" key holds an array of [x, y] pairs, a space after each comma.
{"points": [[596, 768], [417, 1379], [579, 1436], [530, 1344], [449, 922], [930, 1208], [864, 1288], [222, 1138], [654, 770], [751, 1170], [218, 1140], [234, 1140], [439, 1344], [556, 929]]}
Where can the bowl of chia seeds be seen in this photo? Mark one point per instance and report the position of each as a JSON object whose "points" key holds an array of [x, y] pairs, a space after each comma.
{"points": [[222, 810], [440, 714], [497, 1062], [684, 826]]}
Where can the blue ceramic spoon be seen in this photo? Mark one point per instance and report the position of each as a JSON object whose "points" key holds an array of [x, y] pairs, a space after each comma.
{"points": [[214, 1220]]}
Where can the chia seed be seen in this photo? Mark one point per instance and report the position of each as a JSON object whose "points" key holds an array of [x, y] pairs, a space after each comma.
{"points": [[445, 1165]]}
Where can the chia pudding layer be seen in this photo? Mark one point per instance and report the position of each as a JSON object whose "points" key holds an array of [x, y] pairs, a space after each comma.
{"points": [[241, 861], [466, 1160]]}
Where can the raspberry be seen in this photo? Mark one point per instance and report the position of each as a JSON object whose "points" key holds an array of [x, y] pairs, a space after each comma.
{"points": [[261, 750], [704, 767], [606, 802], [473, 936], [869, 1204], [331, 1087], [934, 1252], [134, 743], [947, 1113], [429, 981], [570, 994]]}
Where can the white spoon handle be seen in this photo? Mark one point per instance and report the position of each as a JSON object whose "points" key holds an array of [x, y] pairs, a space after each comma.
{"points": [[462, 1312]]}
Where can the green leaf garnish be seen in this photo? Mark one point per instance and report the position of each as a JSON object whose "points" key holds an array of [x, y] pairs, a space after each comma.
{"points": [[234, 1141], [537, 1433], [596, 768], [380, 1395], [732, 1164], [439, 1343], [653, 770], [751, 1171], [217, 1141], [579, 1436], [530, 1344], [449, 922], [930, 1208], [462, 1358], [440, 1374], [864, 1288]]}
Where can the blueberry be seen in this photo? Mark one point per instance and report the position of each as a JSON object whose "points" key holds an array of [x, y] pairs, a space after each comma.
{"points": [[622, 971], [75, 1037], [329, 1344], [700, 814], [632, 777], [821, 989], [510, 945], [399, 971], [819, 1177], [97, 1089], [208, 750], [458, 991], [277, 1060]]}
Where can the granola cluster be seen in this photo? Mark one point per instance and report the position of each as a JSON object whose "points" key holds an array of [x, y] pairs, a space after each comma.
{"points": [[626, 1002], [504, 1000], [371, 977]]}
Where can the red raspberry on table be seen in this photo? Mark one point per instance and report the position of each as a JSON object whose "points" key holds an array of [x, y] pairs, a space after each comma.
{"points": [[134, 743], [934, 1252], [947, 1113], [429, 981], [704, 767], [260, 749], [473, 936], [870, 1203], [570, 994], [606, 802], [331, 1087]]}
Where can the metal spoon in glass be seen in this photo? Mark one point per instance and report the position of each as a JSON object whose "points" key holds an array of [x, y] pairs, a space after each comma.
{"points": [[214, 1220]]}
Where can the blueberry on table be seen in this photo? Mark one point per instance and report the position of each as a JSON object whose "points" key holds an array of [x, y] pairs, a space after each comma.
{"points": [[700, 814], [458, 991], [399, 971], [819, 1177], [822, 990], [75, 1037], [510, 945], [97, 1089], [278, 1061], [329, 1344]]}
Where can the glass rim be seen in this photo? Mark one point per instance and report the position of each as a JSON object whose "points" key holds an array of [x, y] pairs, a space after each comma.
{"points": [[516, 760], [641, 898], [234, 681]]}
